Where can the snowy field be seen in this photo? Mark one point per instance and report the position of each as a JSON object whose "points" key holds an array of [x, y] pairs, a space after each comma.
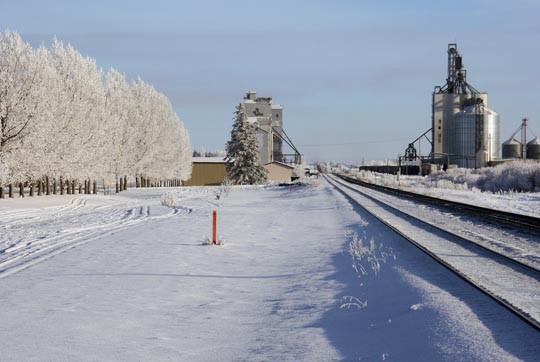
{"points": [[303, 275]]}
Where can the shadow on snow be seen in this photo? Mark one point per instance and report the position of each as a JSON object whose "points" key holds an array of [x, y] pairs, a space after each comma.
{"points": [[397, 323]]}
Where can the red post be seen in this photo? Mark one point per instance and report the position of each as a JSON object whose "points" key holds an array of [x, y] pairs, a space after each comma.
{"points": [[214, 227]]}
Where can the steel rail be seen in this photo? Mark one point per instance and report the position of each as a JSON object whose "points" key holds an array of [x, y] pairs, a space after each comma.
{"points": [[521, 221]]}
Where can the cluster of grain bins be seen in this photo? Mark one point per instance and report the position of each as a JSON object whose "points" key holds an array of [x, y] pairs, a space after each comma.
{"points": [[515, 149]]}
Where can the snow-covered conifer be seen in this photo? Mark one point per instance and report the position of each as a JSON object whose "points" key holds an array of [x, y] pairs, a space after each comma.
{"points": [[243, 166]]}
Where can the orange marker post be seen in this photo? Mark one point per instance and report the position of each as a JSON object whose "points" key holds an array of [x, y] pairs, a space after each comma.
{"points": [[214, 227]]}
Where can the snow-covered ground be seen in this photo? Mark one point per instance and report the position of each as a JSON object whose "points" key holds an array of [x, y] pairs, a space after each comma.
{"points": [[527, 203], [517, 286], [303, 275]]}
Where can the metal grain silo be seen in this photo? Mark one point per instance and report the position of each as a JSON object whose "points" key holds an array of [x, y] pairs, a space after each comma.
{"points": [[512, 148], [474, 136], [533, 149], [449, 100]]}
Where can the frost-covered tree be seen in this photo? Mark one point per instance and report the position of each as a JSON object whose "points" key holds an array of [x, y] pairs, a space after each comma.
{"points": [[22, 103], [243, 166], [119, 111], [77, 146], [161, 148], [62, 117]]}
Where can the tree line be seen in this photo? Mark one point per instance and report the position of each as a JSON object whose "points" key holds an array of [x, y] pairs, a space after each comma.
{"points": [[65, 124]]}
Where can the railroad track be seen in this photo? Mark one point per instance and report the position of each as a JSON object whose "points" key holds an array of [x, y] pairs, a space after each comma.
{"points": [[524, 222], [509, 282]]}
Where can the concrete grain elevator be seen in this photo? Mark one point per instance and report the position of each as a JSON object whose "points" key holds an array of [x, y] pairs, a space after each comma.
{"points": [[464, 131]]}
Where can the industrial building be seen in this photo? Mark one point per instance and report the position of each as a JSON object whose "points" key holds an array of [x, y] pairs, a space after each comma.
{"points": [[278, 171], [212, 171], [207, 171], [464, 130], [266, 123], [513, 149]]}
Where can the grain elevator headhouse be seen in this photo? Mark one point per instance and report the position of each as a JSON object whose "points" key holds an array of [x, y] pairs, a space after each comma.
{"points": [[464, 131], [266, 124]]}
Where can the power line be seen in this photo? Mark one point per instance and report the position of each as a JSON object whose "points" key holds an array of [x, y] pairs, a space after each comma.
{"points": [[354, 143]]}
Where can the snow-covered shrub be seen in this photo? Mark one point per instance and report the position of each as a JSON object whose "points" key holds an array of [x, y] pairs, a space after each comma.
{"points": [[515, 176], [367, 258], [226, 186], [299, 171], [366, 255], [224, 189], [168, 200]]}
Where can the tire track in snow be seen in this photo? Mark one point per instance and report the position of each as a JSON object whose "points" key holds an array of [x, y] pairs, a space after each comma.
{"points": [[27, 247], [25, 216]]}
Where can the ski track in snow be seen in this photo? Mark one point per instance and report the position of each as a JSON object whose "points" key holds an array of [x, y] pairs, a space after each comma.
{"points": [[29, 236]]}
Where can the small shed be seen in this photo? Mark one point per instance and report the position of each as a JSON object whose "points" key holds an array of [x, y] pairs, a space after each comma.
{"points": [[278, 171], [207, 171]]}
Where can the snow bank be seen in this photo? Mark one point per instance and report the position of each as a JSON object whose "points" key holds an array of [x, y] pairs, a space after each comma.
{"points": [[509, 177]]}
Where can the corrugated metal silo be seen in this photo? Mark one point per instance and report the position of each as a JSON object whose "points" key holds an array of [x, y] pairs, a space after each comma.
{"points": [[512, 148], [473, 130], [533, 149]]}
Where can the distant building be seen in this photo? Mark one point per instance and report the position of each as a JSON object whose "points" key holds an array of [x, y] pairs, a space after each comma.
{"points": [[212, 171], [266, 121], [464, 131], [278, 171], [207, 171]]}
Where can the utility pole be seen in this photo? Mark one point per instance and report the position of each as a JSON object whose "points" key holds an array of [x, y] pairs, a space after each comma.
{"points": [[524, 139]]}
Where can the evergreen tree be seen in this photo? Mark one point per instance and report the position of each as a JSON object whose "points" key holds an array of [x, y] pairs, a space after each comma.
{"points": [[243, 167]]}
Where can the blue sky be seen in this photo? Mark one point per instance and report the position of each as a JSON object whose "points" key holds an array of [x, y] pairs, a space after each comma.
{"points": [[355, 76]]}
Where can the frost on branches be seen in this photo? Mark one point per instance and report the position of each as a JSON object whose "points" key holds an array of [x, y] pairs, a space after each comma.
{"points": [[243, 167], [63, 117]]}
